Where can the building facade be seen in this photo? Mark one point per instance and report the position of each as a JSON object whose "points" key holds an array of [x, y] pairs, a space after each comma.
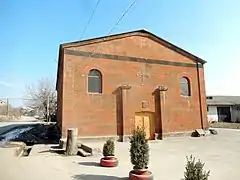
{"points": [[223, 108], [110, 85]]}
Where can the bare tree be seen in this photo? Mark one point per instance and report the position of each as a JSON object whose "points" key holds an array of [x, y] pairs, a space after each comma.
{"points": [[43, 98]]}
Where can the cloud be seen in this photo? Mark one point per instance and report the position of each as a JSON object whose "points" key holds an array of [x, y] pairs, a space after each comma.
{"points": [[5, 84]]}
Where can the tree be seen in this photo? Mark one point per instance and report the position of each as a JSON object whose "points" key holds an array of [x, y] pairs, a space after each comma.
{"points": [[139, 149], [43, 98], [108, 148], [194, 170]]}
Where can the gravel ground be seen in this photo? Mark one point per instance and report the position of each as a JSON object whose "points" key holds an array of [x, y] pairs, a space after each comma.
{"points": [[225, 125], [167, 160]]}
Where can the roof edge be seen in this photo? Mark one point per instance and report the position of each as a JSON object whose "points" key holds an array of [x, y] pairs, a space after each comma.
{"points": [[58, 65]]}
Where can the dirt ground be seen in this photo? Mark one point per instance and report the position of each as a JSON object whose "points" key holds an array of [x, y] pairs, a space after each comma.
{"points": [[167, 160]]}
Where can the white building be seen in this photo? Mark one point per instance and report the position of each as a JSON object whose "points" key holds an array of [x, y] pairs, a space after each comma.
{"points": [[223, 108], [2, 102]]}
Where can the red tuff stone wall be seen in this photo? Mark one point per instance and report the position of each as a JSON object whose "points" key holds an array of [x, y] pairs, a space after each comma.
{"points": [[98, 114]]}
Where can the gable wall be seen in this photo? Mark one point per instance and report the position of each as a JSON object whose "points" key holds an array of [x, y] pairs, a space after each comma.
{"points": [[136, 46]]}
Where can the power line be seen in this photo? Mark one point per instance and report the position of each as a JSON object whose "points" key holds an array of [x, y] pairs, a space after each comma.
{"points": [[4, 98], [117, 23], [126, 11], [90, 19], [88, 23]]}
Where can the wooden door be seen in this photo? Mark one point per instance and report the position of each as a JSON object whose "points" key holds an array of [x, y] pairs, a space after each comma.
{"points": [[146, 122]]}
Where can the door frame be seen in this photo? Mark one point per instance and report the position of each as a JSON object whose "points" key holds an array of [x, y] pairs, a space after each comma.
{"points": [[227, 113], [151, 116]]}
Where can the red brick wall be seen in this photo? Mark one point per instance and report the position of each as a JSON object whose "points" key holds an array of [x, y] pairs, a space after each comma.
{"points": [[203, 97], [95, 115]]}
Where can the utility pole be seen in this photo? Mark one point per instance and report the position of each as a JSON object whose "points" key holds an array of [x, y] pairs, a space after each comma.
{"points": [[47, 108], [7, 107]]}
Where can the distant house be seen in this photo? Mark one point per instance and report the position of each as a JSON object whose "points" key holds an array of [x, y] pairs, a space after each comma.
{"points": [[223, 108], [2, 102], [27, 111]]}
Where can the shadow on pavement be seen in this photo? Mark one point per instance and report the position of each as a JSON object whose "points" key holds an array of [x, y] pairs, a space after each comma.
{"points": [[97, 177], [54, 151], [89, 164], [5, 128]]}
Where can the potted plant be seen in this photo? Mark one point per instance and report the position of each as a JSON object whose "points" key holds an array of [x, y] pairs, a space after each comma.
{"points": [[139, 152], [194, 170], [109, 159]]}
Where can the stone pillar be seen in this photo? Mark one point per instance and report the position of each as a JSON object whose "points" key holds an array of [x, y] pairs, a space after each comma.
{"points": [[126, 121], [163, 116]]}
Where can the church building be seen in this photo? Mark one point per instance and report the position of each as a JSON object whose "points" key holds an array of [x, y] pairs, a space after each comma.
{"points": [[108, 86]]}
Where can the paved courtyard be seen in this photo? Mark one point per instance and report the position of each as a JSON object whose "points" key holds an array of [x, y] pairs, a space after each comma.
{"points": [[167, 161]]}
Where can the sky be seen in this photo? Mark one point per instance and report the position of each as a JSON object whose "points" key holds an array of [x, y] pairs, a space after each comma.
{"points": [[31, 31]]}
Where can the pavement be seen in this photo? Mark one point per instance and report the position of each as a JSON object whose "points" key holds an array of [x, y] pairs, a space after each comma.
{"points": [[220, 153], [8, 152]]}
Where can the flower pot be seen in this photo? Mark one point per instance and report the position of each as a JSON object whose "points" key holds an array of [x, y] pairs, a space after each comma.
{"points": [[109, 161], [140, 174], [109, 157]]}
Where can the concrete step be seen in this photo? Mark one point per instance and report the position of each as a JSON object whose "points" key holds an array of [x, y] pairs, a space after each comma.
{"points": [[83, 153], [84, 148], [16, 148], [43, 149]]}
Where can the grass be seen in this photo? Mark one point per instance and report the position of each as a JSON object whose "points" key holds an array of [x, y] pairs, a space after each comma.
{"points": [[225, 125]]}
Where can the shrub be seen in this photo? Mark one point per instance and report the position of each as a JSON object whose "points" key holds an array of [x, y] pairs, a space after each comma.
{"points": [[194, 170], [108, 148], [139, 149]]}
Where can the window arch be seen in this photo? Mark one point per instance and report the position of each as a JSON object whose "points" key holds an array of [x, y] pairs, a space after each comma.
{"points": [[94, 81], [185, 86]]}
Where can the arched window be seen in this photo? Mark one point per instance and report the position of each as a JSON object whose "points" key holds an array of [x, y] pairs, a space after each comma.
{"points": [[185, 86], [94, 81]]}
